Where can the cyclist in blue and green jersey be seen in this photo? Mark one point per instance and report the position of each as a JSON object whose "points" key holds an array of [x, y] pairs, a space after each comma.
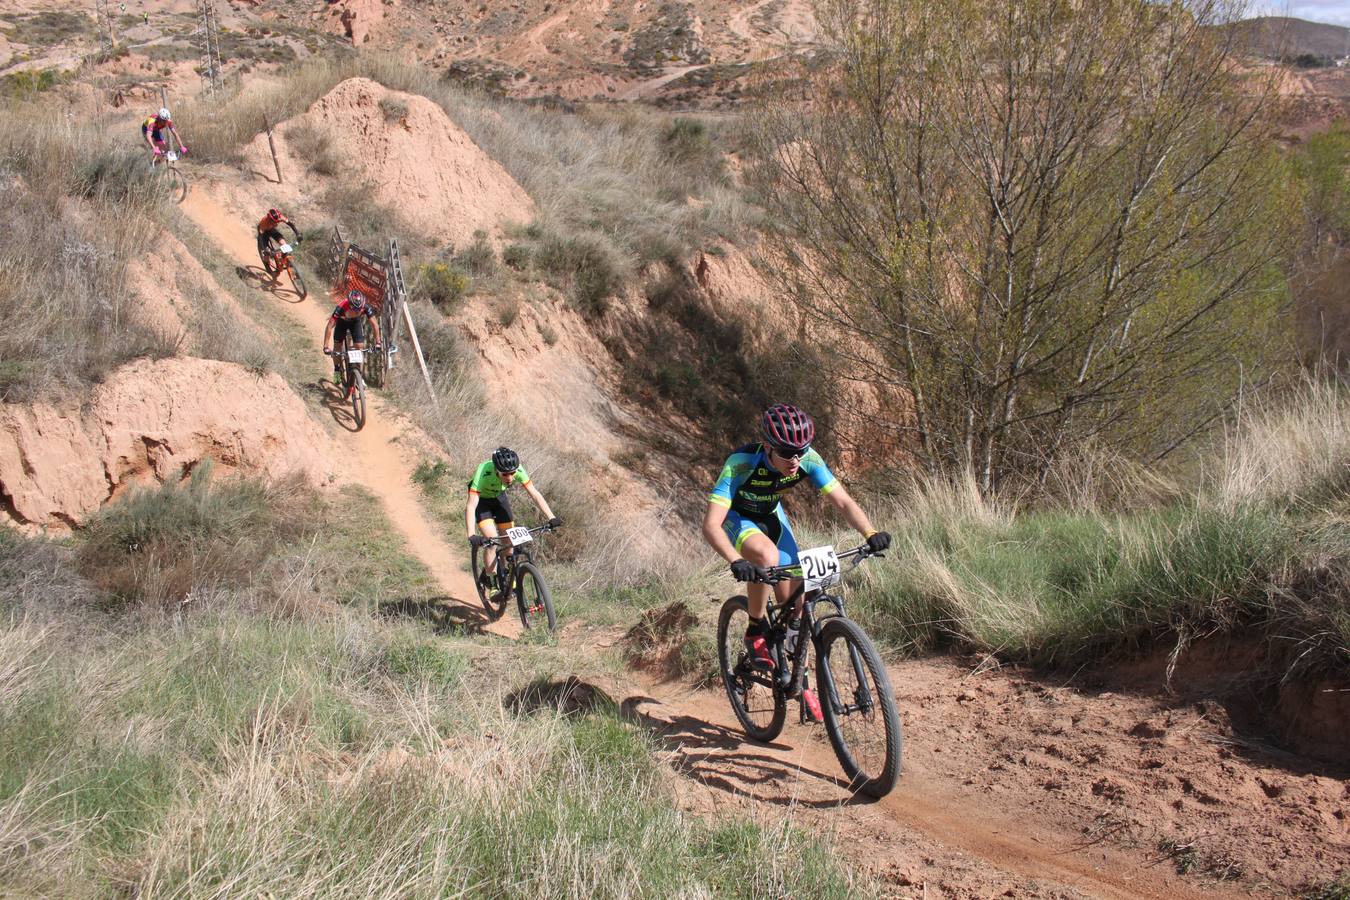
{"points": [[490, 508], [745, 521]]}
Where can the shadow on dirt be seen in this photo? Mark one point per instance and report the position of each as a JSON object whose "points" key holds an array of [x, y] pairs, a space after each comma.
{"points": [[723, 759], [334, 398], [257, 277], [571, 696], [446, 614]]}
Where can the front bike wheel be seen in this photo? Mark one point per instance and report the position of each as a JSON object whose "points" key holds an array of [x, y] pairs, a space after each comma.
{"points": [[859, 705], [493, 602], [358, 398], [533, 597], [178, 184], [759, 705], [297, 281]]}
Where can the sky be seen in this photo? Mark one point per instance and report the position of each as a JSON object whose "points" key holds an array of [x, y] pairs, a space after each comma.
{"points": [[1337, 12]]}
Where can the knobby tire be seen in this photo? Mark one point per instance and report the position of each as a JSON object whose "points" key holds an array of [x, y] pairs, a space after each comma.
{"points": [[358, 398], [178, 185], [750, 700], [297, 281], [844, 641], [527, 575]]}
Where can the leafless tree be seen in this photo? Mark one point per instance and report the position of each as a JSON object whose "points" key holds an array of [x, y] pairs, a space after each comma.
{"points": [[1048, 221]]}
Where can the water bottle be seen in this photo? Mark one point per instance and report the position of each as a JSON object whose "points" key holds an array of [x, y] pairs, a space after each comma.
{"points": [[790, 640]]}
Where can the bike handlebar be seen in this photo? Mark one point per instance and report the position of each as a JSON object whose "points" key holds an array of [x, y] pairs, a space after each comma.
{"points": [[775, 574], [504, 540]]}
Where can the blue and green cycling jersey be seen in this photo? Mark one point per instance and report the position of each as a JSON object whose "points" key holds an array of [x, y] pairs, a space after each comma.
{"points": [[487, 485], [750, 486]]}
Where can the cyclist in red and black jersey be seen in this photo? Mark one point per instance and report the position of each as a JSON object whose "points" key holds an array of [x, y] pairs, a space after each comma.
{"points": [[349, 317]]}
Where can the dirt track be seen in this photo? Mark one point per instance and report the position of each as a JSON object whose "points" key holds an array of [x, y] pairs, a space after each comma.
{"points": [[378, 460], [1024, 786]]}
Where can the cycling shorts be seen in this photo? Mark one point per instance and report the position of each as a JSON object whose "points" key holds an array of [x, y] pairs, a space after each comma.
{"points": [[159, 137], [498, 509], [355, 327], [775, 527], [273, 235]]}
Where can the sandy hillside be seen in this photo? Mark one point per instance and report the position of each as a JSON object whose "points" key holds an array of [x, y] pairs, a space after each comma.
{"points": [[150, 421], [419, 163]]}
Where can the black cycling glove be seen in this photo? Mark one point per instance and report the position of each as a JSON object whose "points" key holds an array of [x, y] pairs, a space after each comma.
{"points": [[555, 522], [745, 570], [878, 541], [477, 540]]}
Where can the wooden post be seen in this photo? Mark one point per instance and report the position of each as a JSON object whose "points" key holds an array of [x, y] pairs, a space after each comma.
{"points": [[421, 361], [273, 147]]}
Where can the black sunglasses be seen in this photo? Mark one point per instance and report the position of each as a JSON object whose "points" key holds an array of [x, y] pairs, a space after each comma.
{"points": [[790, 452]]}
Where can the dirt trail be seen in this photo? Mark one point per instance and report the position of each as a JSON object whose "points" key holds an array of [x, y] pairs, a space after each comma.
{"points": [[643, 89], [958, 839], [378, 461]]}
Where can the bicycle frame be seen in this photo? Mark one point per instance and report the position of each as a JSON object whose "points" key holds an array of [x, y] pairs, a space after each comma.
{"points": [[507, 552], [789, 679]]}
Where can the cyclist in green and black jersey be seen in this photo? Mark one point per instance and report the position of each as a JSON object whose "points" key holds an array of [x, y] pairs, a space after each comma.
{"points": [[489, 507]]}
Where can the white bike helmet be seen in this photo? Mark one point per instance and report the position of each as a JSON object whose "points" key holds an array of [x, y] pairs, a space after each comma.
{"points": [[164, 114]]}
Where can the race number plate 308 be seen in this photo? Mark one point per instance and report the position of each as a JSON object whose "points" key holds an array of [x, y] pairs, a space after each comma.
{"points": [[519, 535], [820, 567]]}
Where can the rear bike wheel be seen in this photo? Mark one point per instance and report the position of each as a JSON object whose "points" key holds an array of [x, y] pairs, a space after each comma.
{"points": [[533, 598], [493, 601], [759, 705], [296, 280], [358, 397], [859, 705]]}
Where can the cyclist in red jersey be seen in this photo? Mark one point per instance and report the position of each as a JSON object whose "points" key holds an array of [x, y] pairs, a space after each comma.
{"points": [[269, 231], [349, 318]]}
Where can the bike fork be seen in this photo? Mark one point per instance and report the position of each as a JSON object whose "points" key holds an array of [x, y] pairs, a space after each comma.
{"points": [[862, 696]]}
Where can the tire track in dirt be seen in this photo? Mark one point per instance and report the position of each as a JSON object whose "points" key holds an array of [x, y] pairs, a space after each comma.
{"points": [[377, 461], [800, 771]]}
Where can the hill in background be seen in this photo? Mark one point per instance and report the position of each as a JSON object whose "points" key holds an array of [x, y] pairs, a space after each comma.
{"points": [[1281, 36]]}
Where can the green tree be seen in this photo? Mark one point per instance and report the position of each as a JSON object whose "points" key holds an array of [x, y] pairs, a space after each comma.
{"points": [[1050, 222]]}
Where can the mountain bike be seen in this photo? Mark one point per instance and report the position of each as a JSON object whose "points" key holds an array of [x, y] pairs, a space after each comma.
{"points": [[856, 700], [350, 361], [277, 259], [177, 183], [517, 576]]}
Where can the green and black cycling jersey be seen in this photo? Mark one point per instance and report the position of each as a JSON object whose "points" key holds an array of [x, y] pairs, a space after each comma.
{"points": [[487, 485]]}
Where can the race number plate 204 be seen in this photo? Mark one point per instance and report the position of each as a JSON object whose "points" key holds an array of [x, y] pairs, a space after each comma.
{"points": [[519, 535], [820, 567]]}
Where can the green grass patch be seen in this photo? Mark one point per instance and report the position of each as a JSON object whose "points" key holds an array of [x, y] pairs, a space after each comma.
{"points": [[1056, 587]]}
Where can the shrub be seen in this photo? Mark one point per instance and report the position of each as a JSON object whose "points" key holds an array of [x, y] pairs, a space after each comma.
{"points": [[315, 145], [444, 284], [507, 312], [160, 546], [478, 259], [516, 256], [589, 262]]}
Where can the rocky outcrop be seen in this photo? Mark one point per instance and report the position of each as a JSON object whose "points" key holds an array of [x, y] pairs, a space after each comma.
{"points": [[151, 421]]}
